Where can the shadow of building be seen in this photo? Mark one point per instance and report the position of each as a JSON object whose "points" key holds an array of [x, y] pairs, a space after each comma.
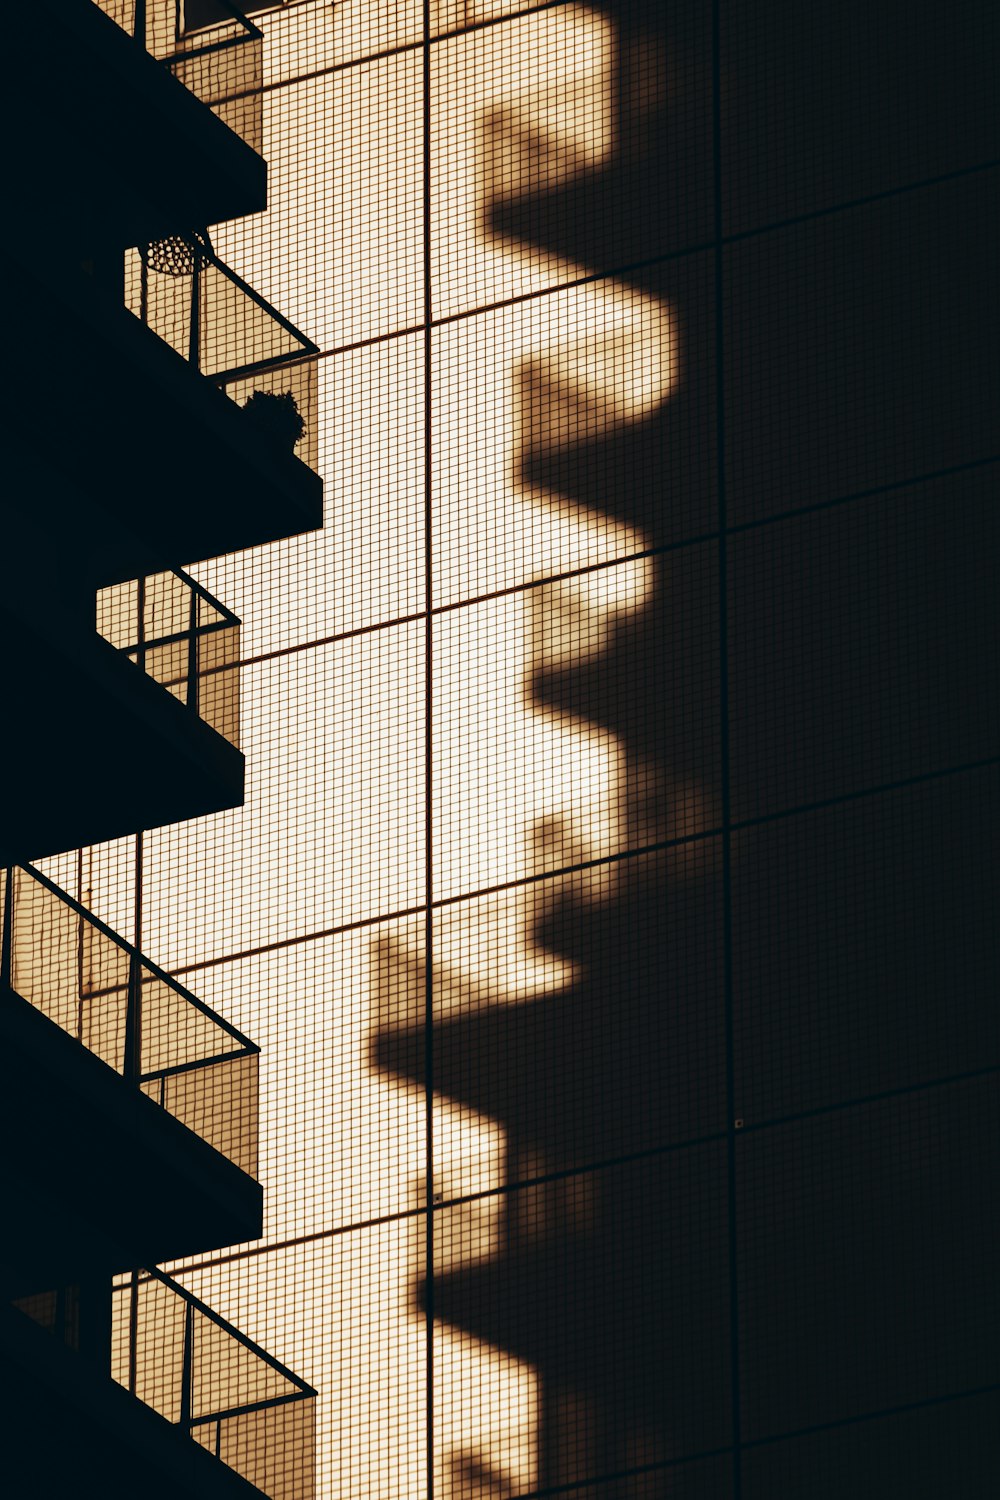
{"points": [[748, 1234]]}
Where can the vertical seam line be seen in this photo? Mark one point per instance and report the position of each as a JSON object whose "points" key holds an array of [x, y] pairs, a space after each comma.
{"points": [[724, 754]]}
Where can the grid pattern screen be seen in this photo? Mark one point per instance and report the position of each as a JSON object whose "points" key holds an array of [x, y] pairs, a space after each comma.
{"points": [[613, 902]]}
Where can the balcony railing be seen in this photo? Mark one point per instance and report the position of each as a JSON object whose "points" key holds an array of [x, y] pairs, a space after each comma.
{"points": [[199, 1372], [183, 638], [99, 989], [181, 290], [222, 63], [57, 1311]]}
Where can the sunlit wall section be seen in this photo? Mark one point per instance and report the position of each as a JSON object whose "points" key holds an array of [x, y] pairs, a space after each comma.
{"points": [[400, 764], [419, 805]]}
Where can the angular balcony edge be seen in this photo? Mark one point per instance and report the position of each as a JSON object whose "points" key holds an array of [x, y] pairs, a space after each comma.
{"points": [[94, 748], [219, 56], [181, 637], [104, 1177], [115, 1003], [153, 158], [63, 1427], [159, 467], [201, 1373]]}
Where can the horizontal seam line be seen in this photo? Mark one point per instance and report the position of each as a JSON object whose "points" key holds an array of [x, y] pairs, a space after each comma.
{"points": [[617, 272], [609, 860], [586, 1169], [402, 48], [697, 540]]}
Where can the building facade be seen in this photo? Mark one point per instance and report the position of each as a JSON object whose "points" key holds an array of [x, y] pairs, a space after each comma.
{"points": [[130, 1109], [613, 895]]}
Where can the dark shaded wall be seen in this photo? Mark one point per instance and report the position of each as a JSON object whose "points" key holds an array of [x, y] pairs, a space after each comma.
{"points": [[762, 1260]]}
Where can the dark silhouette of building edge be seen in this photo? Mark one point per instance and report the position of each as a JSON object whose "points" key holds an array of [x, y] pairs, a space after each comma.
{"points": [[129, 1110]]}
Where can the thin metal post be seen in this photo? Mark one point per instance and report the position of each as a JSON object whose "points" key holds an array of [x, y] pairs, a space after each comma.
{"points": [[193, 683], [133, 1331], [8, 927], [131, 1061], [140, 624], [81, 988], [139, 25], [195, 330], [84, 982], [186, 1368]]}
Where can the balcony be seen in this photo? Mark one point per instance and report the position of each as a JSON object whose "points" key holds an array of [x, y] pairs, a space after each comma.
{"points": [[154, 128], [147, 1148], [222, 63], [181, 637], [225, 1392], [179, 1372], [165, 453], [116, 749], [191, 300]]}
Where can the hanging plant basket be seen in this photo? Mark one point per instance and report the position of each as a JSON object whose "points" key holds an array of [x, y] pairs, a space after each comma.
{"points": [[276, 414]]}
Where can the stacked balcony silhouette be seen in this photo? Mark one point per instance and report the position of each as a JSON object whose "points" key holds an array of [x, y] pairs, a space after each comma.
{"points": [[129, 448], [748, 1229], [141, 435]]}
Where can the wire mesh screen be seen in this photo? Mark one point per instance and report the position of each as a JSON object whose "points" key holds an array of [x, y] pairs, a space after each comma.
{"points": [[624, 794], [182, 638], [275, 1448], [201, 1374], [66, 964]]}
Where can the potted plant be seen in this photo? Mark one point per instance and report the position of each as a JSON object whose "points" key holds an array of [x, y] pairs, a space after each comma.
{"points": [[276, 414]]}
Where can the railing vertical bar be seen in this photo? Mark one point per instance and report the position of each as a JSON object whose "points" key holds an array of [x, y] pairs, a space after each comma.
{"points": [[140, 628], [194, 333], [133, 1020], [133, 1332], [139, 22], [8, 928], [80, 947], [143, 288], [186, 1368], [193, 682]]}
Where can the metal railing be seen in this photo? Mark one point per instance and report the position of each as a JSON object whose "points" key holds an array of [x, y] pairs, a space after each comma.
{"points": [[181, 637], [102, 991], [181, 290], [57, 1311], [202, 1374], [219, 59]]}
